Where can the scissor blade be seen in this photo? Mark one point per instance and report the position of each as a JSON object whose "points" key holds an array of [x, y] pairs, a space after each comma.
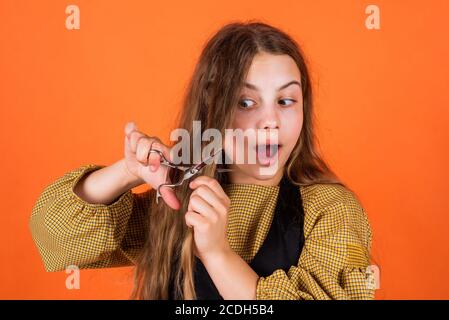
{"points": [[182, 168], [204, 162], [223, 170]]}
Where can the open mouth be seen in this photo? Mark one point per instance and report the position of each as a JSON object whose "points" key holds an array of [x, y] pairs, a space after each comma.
{"points": [[267, 153]]}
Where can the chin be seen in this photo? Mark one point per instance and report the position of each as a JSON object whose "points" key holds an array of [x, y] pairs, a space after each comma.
{"points": [[267, 172]]}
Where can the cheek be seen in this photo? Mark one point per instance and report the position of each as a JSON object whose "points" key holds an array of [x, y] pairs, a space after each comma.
{"points": [[229, 142], [292, 123], [241, 121]]}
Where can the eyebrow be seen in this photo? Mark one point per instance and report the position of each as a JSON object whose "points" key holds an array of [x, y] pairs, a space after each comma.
{"points": [[253, 87]]}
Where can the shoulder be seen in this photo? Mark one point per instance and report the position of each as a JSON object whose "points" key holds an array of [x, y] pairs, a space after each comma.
{"points": [[331, 208], [321, 195]]}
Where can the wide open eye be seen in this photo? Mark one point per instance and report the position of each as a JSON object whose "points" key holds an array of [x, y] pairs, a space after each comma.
{"points": [[244, 103], [289, 104]]}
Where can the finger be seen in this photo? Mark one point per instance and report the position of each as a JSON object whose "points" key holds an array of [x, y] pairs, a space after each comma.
{"points": [[211, 183], [194, 220], [129, 127], [169, 196], [143, 147], [134, 137], [199, 205], [206, 193], [127, 145], [154, 158], [162, 147]]}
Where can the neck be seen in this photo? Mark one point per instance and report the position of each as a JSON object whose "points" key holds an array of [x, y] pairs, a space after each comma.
{"points": [[240, 177]]}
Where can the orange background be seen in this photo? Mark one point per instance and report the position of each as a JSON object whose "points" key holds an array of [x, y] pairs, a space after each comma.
{"points": [[381, 102]]}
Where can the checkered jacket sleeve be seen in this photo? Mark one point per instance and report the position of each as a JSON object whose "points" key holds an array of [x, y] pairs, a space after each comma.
{"points": [[335, 258], [70, 231]]}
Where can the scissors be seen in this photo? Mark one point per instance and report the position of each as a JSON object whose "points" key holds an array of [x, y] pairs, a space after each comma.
{"points": [[189, 171]]}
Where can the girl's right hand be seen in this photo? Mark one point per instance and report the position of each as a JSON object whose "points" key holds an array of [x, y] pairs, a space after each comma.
{"points": [[148, 169]]}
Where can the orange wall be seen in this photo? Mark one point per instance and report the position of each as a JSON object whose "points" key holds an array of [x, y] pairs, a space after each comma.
{"points": [[382, 106]]}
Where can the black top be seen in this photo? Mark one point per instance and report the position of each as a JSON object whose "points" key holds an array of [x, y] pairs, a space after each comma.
{"points": [[280, 250]]}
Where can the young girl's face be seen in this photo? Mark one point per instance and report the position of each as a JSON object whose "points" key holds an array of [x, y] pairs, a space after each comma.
{"points": [[272, 99]]}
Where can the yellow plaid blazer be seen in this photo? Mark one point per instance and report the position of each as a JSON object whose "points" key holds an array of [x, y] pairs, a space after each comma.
{"points": [[334, 262]]}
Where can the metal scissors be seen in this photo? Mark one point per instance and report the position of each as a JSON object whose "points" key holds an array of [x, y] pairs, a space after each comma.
{"points": [[189, 171]]}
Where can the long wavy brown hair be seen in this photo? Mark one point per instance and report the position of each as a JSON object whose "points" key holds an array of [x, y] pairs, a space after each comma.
{"points": [[167, 258]]}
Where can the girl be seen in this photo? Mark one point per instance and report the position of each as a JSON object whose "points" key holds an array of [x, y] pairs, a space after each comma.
{"points": [[298, 233]]}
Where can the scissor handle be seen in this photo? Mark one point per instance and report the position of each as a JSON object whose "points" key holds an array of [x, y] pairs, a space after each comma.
{"points": [[189, 172], [167, 162]]}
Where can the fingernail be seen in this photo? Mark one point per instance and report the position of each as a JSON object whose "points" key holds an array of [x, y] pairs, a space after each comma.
{"points": [[152, 167]]}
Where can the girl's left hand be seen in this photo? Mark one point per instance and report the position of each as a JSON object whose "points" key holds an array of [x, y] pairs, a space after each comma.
{"points": [[207, 213]]}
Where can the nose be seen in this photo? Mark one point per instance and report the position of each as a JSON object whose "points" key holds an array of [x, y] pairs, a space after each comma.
{"points": [[269, 122], [269, 118]]}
